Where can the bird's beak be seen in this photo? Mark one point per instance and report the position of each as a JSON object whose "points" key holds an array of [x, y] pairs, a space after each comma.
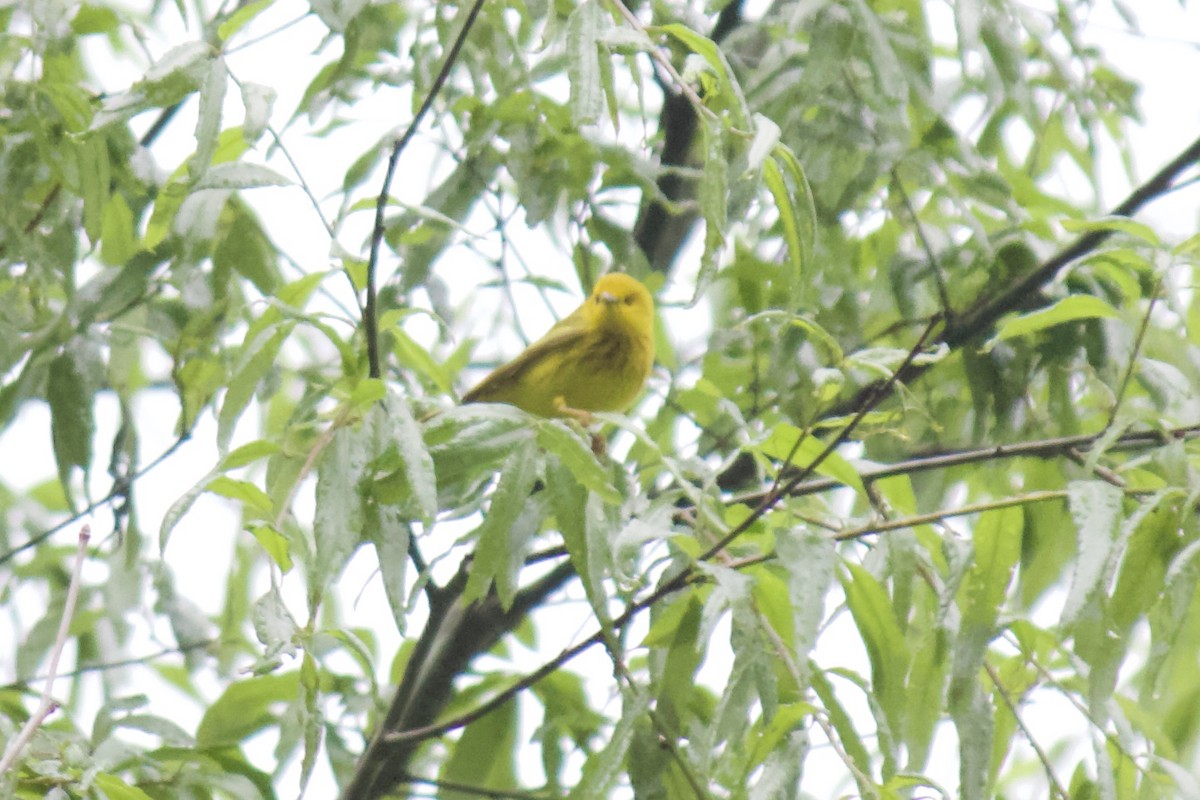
{"points": [[608, 298]]}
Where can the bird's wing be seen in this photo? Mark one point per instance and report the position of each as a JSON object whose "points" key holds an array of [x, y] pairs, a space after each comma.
{"points": [[563, 335]]}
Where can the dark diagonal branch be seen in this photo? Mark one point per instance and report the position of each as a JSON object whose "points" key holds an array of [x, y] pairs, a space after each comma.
{"points": [[977, 322], [453, 636]]}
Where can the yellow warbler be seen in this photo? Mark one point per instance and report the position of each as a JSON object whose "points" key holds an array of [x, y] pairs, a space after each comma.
{"points": [[594, 360]]}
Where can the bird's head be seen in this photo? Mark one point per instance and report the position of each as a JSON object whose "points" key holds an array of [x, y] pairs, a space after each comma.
{"points": [[622, 300]]}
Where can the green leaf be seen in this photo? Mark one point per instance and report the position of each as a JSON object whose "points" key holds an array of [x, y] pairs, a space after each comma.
{"points": [[844, 726], [208, 120], [484, 755], [249, 453], [1096, 510], [997, 547], [275, 544], [257, 357], [258, 101], [245, 492], [583, 62], [415, 459], [274, 625], [239, 175], [886, 646], [581, 523], [389, 532], [117, 240], [602, 769], [576, 456], [243, 709], [1069, 309], [498, 556], [809, 562], [116, 789], [245, 250], [1125, 225], [782, 443], [797, 208], [72, 422], [338, 522], [244, 14], [714, 202]]}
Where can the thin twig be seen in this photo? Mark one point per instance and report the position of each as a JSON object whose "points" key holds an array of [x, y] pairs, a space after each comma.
{"points": [[48, 705], [1055, 786], [1137, 440], [370, 324], [1133, 355], [119, 489]]}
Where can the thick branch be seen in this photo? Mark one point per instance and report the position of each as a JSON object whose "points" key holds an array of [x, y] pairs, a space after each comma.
{"points": [[453, 636]]}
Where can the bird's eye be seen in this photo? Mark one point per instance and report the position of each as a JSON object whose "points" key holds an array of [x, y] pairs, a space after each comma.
{"points": [[628, 299]]}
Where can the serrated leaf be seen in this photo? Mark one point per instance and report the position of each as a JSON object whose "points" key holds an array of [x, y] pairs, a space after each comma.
{"points": [[390, 534], [713, 196], [1096, 510], [257, 100], [494, 556], [415, 459], [809, 561], [240, 175], [583, 62], [208, 119], [338, 522]]}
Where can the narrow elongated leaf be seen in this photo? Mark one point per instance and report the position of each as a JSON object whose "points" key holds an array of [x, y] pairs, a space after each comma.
{"points": [[577, 457], [72, 423], [240, 175], [415, 459], [602, 769], [208, 121], [338, 524], [886, 646], [1069, 309], [257, 358], [494, 557], [1096, 509], [388, 531], [809, 560], [583, 62], [997, 541]]}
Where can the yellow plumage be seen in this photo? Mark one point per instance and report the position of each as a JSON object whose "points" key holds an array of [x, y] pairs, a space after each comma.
{"points": [[597, 359]]}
